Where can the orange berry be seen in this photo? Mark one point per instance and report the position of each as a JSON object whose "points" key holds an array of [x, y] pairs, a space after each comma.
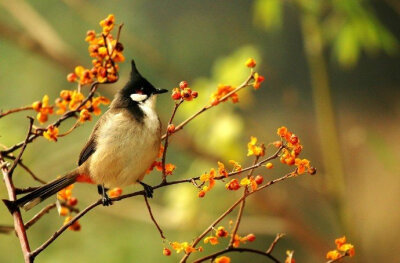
{"points": [[63, 211], [115, 192], [72, 201], [251, 237], [42, 118], [290, 161], [37, 105], [293, 139], [312, 170], [277, 144], [176, 94], [171, 128], [233, 185], [269, 165], [214, 102], [186, 93], [71, 77], [259, 179], [183, 84], [166, 252], [250, 63], [195, 94], [221, 232], [75, 226], [202, 193], [102, 51]]}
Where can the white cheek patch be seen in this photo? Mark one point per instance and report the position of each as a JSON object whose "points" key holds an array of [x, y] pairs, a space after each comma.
{"points": [[138, 97]]}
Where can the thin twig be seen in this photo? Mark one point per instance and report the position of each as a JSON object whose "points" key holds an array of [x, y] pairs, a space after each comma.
{"points": [[241, 208], [3, 114], [152, 217], [339, 258], [241, 250], [164, 156], [76, 125], [39, 215], [26, 168], [15, 163], [273, 244], [6, 229]]}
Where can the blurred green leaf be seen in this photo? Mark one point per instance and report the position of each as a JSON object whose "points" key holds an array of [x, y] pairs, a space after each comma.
{"points": [[268, 13]]}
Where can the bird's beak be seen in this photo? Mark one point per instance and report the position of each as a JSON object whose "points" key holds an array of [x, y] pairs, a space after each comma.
{"points": [[160, 91]]}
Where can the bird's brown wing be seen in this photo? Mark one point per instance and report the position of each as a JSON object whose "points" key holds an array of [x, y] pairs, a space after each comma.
{"points": [[90, 146], [88, 150]]}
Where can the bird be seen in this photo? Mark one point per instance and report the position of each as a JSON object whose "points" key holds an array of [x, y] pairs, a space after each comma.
{"points": [[123, 144]]}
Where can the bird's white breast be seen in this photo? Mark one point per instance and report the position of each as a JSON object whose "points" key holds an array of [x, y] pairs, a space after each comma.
{"points": [[125, 148]]}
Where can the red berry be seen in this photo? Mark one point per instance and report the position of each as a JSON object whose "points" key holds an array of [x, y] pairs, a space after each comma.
{"points": [[176, 95], [183, 84], [251, 237], [202, 194], [166, 252], [294, 139], [259, 179], [195, 94], [72, 201], [171, 128], [71, 77]]}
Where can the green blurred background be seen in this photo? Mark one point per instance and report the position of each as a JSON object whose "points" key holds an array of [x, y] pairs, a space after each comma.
{"points": [[332, 76]]}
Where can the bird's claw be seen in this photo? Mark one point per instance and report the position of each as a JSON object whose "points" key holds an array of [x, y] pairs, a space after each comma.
{"points": [[148, 190]]}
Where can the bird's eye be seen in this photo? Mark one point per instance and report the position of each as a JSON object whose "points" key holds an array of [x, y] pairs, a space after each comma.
{"points": [[140, 90]]}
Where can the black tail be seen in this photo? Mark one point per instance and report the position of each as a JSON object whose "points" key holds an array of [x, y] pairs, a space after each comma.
{"points": [[42, 193]]}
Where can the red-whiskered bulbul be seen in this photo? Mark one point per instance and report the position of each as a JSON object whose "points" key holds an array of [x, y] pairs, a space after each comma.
{"points": [[124, 143]]}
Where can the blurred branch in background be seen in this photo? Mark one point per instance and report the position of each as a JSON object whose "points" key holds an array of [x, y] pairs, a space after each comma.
{"points": [[38, 36]]}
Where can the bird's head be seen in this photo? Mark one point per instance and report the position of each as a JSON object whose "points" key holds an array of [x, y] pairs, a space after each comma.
{"points": [[138, 88]]}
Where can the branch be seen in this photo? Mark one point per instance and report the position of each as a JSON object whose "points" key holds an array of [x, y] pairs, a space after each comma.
{"points": [[57, 123], [6, 229], [39, 215], [3, 114], [240, 213], [115, 199], [273, 244], [205, 108], [241, 250], [152, 217], [339, 258], [18, 222]]}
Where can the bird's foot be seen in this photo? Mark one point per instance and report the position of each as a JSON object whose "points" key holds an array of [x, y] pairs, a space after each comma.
{"points": [[148, 190], [105, 199]]}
